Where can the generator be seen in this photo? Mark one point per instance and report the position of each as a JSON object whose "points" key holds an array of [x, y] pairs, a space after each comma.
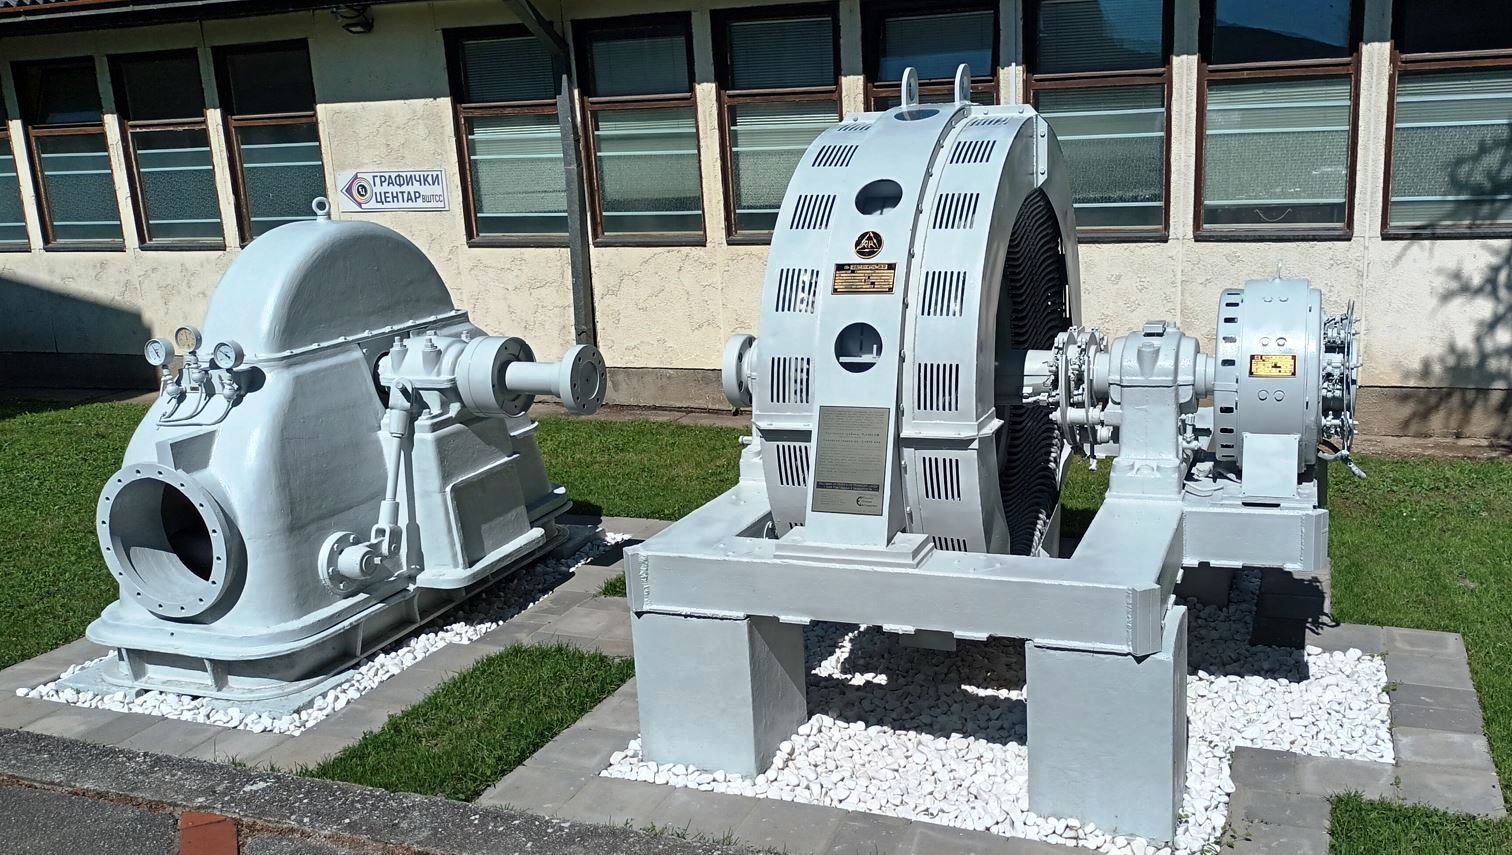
{"points": [[337, 458], [920, 386]]}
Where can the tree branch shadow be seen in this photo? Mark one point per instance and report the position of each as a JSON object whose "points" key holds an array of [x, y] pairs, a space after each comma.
{"points": [[1463, 376]]}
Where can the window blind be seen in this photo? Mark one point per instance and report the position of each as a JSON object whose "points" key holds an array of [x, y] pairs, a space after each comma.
{"points": [[936, 44], [775, 54], [1449, 158], [1099, 35], [507, 69], [1114, 140]]}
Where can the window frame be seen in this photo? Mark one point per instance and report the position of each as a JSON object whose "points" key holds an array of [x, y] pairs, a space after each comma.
{"points": [[23, 245], [1278, 70], [1034, 83], [34, 131], [464, 110], [231, 122], [584, 31], [1465, 60], [874, 14], [730, 98], [133, 167]]}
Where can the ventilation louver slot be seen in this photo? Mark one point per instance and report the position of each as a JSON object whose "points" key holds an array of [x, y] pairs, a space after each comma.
{"points": [[937, 387], [792, 464], [956, 210], [991, 121], [853, 127], [790, 379], [942, 478], [834, 155], [797, 289], [972, 151], [950, 544], [944, 293], [813, 211]]}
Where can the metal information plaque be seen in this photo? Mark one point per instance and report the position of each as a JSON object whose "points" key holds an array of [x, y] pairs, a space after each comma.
{"points": [[850, 464], [1283, 365], [865, 278]]}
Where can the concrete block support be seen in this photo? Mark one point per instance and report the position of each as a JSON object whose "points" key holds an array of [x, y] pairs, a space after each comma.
{"points": [[716, 693], [1108, 734]]}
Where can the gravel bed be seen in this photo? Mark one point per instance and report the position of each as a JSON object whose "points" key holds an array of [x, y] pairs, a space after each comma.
{"points": [[464, 624], [941, 737]]}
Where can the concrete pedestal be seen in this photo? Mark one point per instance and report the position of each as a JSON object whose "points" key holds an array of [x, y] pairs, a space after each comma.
{"points": [[718, 694], [1108, 734]]}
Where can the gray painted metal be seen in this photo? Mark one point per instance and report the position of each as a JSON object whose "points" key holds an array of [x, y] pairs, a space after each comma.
{"points": [[906, 353], [275, 521], [1110, 733]]}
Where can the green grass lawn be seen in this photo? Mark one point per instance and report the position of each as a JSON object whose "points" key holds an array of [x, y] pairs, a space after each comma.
{"points": [[1422, 543], [482, 723]]}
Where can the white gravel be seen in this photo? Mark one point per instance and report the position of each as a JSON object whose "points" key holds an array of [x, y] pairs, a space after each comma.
{"points": [[462, 625], [941, 737]]}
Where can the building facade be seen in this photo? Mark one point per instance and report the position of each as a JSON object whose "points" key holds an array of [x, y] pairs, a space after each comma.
{"points": [[1364, 144]]}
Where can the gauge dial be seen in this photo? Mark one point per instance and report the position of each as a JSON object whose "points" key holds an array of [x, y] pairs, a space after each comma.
{"points": [[188, 339], [227, 355], [159, 352]]}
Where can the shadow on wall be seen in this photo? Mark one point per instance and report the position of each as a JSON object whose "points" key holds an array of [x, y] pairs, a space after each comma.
{"points": [[53, 339], [1470, 376]]}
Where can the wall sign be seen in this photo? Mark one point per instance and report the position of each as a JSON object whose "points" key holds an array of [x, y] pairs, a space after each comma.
{"points": [[393, 190]]}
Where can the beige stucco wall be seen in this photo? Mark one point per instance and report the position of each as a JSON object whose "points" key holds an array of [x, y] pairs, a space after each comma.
{"points": [[384, 103]]}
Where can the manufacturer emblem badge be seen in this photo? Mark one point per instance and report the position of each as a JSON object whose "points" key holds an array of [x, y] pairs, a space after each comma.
{"points": [[868, 244]]}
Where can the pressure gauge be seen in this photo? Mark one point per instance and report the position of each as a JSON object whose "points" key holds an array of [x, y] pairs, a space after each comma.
{"points": [[159, 352], [188, 339], [227, 355]]}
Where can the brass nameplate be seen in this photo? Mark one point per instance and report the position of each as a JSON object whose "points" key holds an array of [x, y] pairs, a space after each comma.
{"points": [[865, 278], [1273, 365]]}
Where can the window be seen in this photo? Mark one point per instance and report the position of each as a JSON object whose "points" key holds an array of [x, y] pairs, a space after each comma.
{"points": [[637, 78], [1451, 123], [1099, 74], [778, 90], [1277, 118], [60, 103], [12, 219], [161, 102], [504, 86], [269, 100], [933, 43]]}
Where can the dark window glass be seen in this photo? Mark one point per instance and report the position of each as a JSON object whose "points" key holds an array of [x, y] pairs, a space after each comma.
{"points": [[264, 79], [164, 86], [640, 61], [935, 44], [1099, 35], [80, 194], [1431, 26], [281, 172], [507, 69], [782, 53], [1280, 30], [1450, 165], [62, 92], [1113, 138]]}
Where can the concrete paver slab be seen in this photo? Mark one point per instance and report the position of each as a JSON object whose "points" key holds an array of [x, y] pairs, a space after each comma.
{"points": [[1474, 791], [1425, 670], [609, 801], [534, 789], [1441, 748], [712, 816], [788, 826]]}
